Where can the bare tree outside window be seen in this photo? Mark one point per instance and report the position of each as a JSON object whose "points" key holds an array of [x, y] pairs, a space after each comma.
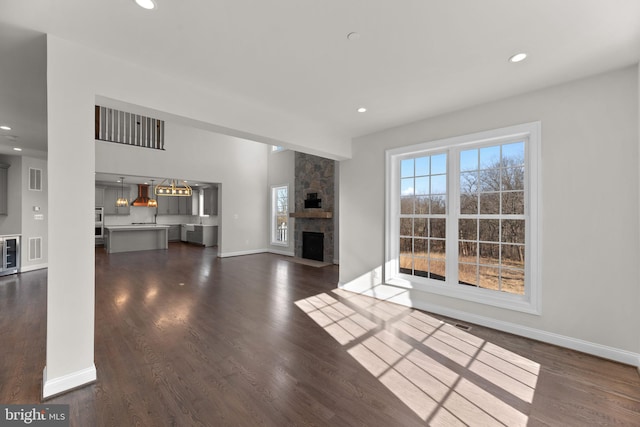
{"points": [[422, 218], [490, 221], [491, 224]]}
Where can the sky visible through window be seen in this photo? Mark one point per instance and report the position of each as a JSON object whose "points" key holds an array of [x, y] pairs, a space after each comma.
{"points": [[421, 168]]}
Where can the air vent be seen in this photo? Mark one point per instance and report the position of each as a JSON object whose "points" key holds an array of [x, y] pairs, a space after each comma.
{"points": [[462, 326], [127, 128], [35, 179], [35, 248]]}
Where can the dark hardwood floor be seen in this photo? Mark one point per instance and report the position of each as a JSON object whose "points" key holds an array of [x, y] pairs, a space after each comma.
{"points": [[186, 339]]}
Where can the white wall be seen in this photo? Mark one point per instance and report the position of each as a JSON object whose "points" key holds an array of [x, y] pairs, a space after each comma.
{"points": [[32, 226], [20, 218], [12, 222], [336, 215], [240, 166], [590, 212], [281, 172], [76, 78], [70, 278]]}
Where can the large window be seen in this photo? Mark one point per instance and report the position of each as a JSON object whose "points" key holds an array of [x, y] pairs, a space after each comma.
{"points": [[280, 215], [462, 217]]}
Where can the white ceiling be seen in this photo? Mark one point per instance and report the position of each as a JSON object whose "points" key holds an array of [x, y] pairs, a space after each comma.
{"points": [[414, 58]]}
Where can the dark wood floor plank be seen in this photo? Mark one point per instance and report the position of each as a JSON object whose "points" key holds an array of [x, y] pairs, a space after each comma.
{"points": [[184, 338]]}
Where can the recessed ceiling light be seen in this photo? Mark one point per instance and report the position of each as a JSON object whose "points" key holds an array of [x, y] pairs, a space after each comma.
{"points": [[4, 127], [17, 149], [362, 110], [353, 36], [518, 57], [146, 4]]}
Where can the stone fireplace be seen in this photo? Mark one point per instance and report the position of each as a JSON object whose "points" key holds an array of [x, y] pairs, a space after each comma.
{"points": [[314, 205]]}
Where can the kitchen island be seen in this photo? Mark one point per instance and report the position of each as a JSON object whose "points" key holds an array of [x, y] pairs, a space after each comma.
{"points": [[128, 238]]}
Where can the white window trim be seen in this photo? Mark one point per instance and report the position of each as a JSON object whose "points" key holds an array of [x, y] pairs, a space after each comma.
{"points": [[272, 218], [528, 303]]}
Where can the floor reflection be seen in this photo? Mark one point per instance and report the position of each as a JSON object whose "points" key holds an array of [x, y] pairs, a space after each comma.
{"points": [[445, 375]]}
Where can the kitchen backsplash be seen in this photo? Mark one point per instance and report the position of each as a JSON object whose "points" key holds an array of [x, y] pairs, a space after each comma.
{"points": [[143, 214]]}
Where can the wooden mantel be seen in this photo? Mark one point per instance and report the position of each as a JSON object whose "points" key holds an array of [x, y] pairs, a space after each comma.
{"points": [[312, 214]]}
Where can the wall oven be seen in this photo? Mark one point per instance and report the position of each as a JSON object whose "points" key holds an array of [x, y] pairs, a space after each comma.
{"points": [[99, 229]]}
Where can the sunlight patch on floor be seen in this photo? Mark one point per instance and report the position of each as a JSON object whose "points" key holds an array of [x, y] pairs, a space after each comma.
{"points": [[443, 374]]}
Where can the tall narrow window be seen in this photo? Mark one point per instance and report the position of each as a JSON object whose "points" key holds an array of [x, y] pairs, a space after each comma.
{"points": [[280, 215], [462, 217], [491, 224], [423, 207]]}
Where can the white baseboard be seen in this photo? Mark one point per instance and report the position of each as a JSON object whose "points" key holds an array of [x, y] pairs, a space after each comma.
{"points": [[54, 386], [24, 269], [279, 252], [240, 253], [390, 293]]}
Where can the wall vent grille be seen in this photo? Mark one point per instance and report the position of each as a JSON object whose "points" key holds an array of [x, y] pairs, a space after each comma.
{"points": [[35, 179], [130, 129], [35, 248]]}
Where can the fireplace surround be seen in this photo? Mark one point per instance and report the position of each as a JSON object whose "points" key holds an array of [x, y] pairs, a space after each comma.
{"points": [[314, 204]]}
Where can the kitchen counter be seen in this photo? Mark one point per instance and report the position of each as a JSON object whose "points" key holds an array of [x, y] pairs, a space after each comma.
{"points": [[134, 226], [141, 237]]}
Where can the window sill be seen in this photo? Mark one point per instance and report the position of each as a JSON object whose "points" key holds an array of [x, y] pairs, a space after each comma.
{"points": [[507, 301]]}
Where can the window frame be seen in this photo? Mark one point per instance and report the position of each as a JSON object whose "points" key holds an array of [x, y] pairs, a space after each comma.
{"points": [[530, 302], [274, 215]]}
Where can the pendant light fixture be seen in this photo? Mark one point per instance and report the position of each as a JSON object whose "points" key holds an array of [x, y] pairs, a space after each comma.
{"points": [[152, 203], [173, 188], [122, 201]]}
